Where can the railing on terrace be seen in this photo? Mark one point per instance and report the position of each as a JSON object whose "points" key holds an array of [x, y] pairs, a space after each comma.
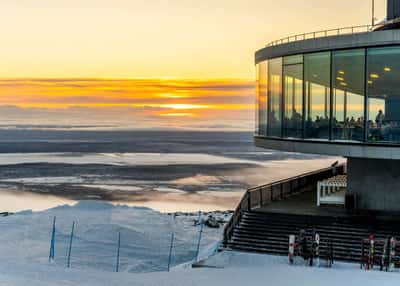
{"points": [[323, 33], [265, 194]]}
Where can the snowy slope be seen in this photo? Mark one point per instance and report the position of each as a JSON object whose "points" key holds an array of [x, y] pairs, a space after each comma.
{"points": [[145, 237]]}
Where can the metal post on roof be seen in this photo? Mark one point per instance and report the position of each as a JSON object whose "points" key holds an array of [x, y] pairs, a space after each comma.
{"points": [[373, 13]]}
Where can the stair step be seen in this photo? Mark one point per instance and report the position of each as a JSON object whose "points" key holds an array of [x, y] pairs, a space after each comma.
{"points": [[269, 233]]}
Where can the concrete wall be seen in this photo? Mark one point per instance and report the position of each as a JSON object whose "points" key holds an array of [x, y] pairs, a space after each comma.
{"points": [[393, 9], [376, 183]]}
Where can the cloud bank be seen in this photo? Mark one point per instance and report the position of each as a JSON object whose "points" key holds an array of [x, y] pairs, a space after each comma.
{"points": [[127, 104]]}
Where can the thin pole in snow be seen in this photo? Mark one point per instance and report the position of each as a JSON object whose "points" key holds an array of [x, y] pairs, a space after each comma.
{"points": [[70, 245], [170, 250], [200, 233], [52, 240], [171, 246], [118, 247]]}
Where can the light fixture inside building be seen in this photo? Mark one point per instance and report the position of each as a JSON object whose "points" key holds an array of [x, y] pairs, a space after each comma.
{"points": [[374, 75]]}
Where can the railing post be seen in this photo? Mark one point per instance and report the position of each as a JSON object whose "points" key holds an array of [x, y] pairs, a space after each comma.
{"points": [[248, 201], [272, 193], [261, 198]]}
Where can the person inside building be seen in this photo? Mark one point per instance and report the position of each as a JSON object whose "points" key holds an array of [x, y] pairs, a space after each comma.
{"points": [[380, 117]]}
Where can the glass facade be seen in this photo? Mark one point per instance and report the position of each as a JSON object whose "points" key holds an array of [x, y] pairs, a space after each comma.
{"points": [[293, 97], [383, 73], [274, 97], [261, 85], [348, 73], [317, 95], [348, 95]]}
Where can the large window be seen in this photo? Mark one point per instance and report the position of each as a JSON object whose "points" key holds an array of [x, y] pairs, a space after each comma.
{"points": [[383, 75], [317, 95], [293, 96], [275, 97], [348, 78], [261, 114]]}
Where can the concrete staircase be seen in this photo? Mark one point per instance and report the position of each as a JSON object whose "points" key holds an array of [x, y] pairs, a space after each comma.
{"points": [[265, 232]]}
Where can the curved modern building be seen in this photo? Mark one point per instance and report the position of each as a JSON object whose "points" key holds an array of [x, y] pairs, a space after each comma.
{"points": [[338, 93]]}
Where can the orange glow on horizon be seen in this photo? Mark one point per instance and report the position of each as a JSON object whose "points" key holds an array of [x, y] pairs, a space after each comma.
{"points": [[145, 100]]}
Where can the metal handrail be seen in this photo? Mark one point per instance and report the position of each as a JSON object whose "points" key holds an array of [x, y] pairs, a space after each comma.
{"points": [[323, 33], [266, 194]]}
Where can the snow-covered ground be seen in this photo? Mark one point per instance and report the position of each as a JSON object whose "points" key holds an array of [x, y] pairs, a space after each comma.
{"points": [[236, 269], [145, 238]]}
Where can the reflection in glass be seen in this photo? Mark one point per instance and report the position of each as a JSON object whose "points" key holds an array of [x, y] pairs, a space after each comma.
{"points": [[275, 97], [383, 94], [261, 115], [317, 95], [291, 60], [293, 100], [348, 95]]}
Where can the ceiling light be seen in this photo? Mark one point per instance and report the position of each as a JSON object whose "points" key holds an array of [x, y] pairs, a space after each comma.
{"points": [[374, 75], [340, 78], [387, 69]]}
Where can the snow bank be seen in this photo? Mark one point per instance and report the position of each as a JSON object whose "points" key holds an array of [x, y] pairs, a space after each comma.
{"points": [[240, 269], [145, 237]]}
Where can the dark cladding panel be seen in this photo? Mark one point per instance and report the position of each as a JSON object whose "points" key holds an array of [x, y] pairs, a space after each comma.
{"points": [[393, 9]]}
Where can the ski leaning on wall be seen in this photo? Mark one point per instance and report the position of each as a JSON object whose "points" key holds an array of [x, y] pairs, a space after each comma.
{"points": [[292, 240], [392, 253]]}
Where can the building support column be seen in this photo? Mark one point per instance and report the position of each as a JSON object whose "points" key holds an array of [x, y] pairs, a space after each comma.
{"points": [[375, 183]]}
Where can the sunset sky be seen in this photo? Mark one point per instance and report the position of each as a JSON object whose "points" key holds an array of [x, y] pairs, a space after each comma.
{"points": [[147, 64]]}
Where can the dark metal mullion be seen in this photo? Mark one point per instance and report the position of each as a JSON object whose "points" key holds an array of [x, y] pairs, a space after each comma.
{"points": [[303, 123], [331, 97], [282, 98], [268, 100], [365, 137]]}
